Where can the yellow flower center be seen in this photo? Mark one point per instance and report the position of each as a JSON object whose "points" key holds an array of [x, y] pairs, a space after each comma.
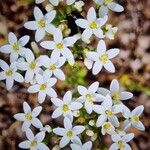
{"points": [[90, 98], [43, 87], [69, 133], [59, 46], [135, 118], [107, 125], [41, 23], [106, 2], [32, 65], [28, 116], [93, 25], [116, 97], [33, 143], [16, 47], [52, 67], [104, 58], [65, 108], [9, 73], [120, 144], [108, 113]]}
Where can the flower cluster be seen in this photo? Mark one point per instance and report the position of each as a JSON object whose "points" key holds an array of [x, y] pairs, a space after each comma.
{"points": [[95, 107]]}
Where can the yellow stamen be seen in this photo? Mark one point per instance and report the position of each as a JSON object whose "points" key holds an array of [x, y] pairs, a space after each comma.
{"points": [[33, 143], [104, 58], [28, 116], [93, 25], [121, 144], [69, 134], [59, 46], [52, 67], [41, 23], [32, 65], [135, 118], [16, 47], [116, 97], [90, 98], [65, 108], [107, 125], [106, 2], [9, 73], [43, 87], [108, 113]]}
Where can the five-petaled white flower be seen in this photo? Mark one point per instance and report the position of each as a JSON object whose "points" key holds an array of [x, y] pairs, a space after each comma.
{"points": [[34, 142], [89, 96], [43, 87], [29, 117], [133, 118], [15, 47], [42, 23], [121, 141], [107, 127], [65, 106], [60, 46], [115, 92], [77, 145], [69, 133], [102, 58], [92, 25], [53, 66], [105, 5], [106, 111], [31, 66], [10, 74]]}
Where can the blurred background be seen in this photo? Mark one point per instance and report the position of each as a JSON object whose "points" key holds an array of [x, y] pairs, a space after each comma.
{"points": [[132, 68]]}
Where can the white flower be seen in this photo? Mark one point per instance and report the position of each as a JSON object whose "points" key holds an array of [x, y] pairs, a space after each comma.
{"points": [[68, 133], [42, 23], [31, 66], [92, 25], [102, 58], [121, 141], [60, 46], [34, 142], [46, 128], [78, 5], [107, 112], [107, 127], [105, 5], [43, 87], [29, 117], [133, 118], [15, 47], [77, 145], [10, 74], [53, 66], [56, 2], [110, 31], [115, 93], [65, 106], [89, 96]]}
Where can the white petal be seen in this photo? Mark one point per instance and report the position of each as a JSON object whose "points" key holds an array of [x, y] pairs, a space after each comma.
{"points": [[67, 123], [39, 1], [128, 137], [59, 131], [13, 57], [37, 123], [70, 2], [57, 113], [55, 54], [69, 41], [102, 21], [64, 141], [101, 48], [31, 25], [138, 110], [41, 97], [75, 105], [126, 124], [82, 90], [82, 23], [97, 67], [26, 125], [91, 15], [48, 44], [29, 76], [59, 74], [103, 11], [19, 116], [87, 146], [87, 33], [98, 33], [58, 37], [114, 121], [4, 65], [33, 88], [51, 92], [107, 103], [115, 137], [29, 134], [50, 29], [38, 13], [36, 111], [101, 119], [18, 77], [92, 55], [40, 136], [113, 52], [139, 125], [98, 109], [114, 86], [93, 87], [12, 38], [115, 7], [9, 83], [24, 144], [67, 97], [78, 129], [6, 49], [113, 147], [2, 76], [88, 107], [88, 63], [39, 34], [126, 95], [24, 40], [42, 146], [75, 147], [54, 2], [103, 91], [57, 102], [50, 16], [26, 107], [109, 67]]}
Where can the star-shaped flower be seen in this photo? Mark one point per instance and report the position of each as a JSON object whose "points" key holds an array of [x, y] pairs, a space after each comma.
{"points": [[10, 74], [92, 25], [102, 58], [89, 96], [65, 106], [15, 47], [34, 142], [68, 133], [105, 5], [107, 127], [60, 46], [120, 142], [42, 23], [43, 87], [133, 118], [53, 66], [29, 117], [107, 112]]}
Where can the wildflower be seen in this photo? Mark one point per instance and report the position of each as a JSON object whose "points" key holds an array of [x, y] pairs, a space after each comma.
{"points": [[77, 145], [78, 5], [92, 25], [56, 2], [60, 46], [105, 5], [68, 133], [53, 66], [89, 96], [42, 23], [106, 111], [102, 58], [43, 87], [46, 128], [107, 127], [29, 117], [15, 47], [10, 74], [120, 142], [133, 118], [34, 142], [65, 106]]}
